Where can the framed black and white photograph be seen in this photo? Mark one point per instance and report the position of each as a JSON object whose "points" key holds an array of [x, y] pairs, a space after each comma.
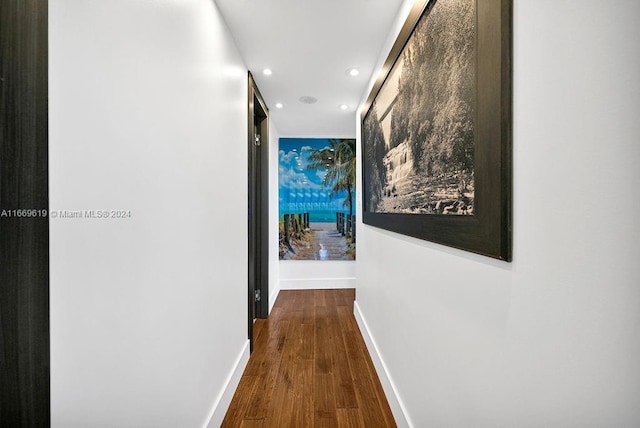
{"points": [[436, 129]]}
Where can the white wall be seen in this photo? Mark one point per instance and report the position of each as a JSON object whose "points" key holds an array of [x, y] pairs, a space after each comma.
{"points": [[317, 274], [551, 339], [147, 114], [274, 239]]}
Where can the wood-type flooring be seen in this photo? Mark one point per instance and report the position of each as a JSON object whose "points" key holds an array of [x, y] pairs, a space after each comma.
{"points": [[309, 368]]}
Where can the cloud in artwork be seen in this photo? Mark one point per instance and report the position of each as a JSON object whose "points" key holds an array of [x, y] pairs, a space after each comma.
{"points": [[305, 152], [295, 179], [293, 172]]}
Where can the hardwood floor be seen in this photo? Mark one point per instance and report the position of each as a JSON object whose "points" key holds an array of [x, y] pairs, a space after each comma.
{"points": [[309, 368]]}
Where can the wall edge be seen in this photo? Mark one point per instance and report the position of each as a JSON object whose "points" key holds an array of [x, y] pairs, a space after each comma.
{"points": [[317, 283], [273, 295], [397, 406], [231, 384]]}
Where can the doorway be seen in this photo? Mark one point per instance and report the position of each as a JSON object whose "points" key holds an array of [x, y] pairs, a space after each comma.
{"points": [[258, 168]]}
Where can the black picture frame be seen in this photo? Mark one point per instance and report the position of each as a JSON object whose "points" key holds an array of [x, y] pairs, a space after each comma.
{"points": [[489, 230]]}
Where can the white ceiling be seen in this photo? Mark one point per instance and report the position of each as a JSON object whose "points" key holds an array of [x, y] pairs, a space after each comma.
{"points": [[309, 45]]}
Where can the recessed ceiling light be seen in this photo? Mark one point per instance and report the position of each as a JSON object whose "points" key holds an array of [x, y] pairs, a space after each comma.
{"points": [[353, 72], [343, 106], [279, 105], [267, 72], [307, 99]]}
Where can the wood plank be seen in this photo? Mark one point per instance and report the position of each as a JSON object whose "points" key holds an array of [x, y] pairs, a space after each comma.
{"points": [[258, 328], [346, 319], [373, 375], [266, 340], [349, 418], [308, 341], [345, 297], [252, 423], [319, 297], [304, 301], [342, 380], [239, 402], [308, 310], [322, 345], [303, 409], [310, 367], [373, 410], [283, 399], [325, 405], [264, 386]]}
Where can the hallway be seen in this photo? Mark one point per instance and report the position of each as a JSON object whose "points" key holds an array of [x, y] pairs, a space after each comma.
{"points": [[310, 367], [141, 108]]}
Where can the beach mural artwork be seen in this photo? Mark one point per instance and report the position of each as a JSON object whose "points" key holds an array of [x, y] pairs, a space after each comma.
{"points": [[317, 198]]}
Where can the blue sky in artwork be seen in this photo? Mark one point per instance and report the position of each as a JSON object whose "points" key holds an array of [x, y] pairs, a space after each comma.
{"points": [[301, 189], [293, 160]]}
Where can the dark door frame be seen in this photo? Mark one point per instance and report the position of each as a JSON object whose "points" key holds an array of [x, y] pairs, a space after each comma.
{"points": [[258, 173], [24, 222]]}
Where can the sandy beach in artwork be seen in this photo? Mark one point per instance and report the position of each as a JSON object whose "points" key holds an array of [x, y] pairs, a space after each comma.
{"points": [[325, 243]]}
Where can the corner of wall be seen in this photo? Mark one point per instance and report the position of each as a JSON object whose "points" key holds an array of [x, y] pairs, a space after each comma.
{"points": [[231, 384], [397, 407], [274, 261], [317, 283], [273, 295]]}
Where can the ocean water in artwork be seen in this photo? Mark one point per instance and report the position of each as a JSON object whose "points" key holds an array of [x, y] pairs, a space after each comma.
{"points": [[316, 198]]}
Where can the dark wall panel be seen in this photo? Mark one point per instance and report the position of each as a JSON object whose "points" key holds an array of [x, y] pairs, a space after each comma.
{"points": [[24, 227]]}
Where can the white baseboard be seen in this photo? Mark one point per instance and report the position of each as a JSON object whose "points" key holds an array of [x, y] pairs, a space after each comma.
{"points": [[397, 407], [317, 283], [273, 295], [222, 404]]}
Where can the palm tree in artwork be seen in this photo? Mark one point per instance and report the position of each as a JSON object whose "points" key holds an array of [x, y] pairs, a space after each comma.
{"points": [[339, 159]]}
